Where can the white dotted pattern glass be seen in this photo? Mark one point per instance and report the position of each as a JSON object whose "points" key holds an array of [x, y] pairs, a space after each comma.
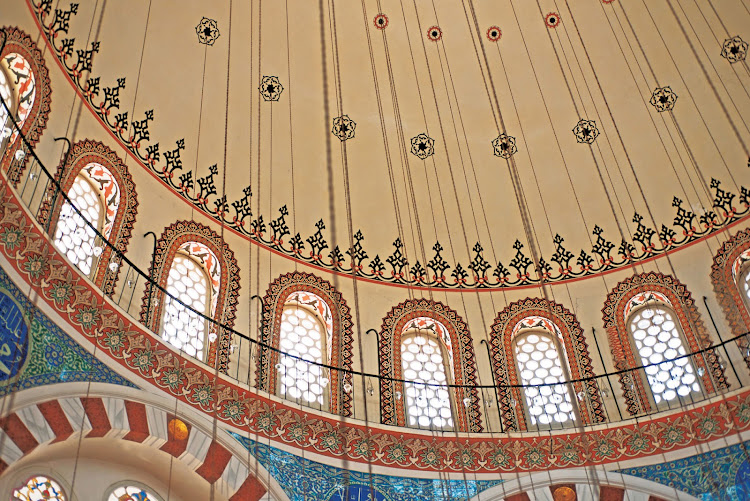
{"points": [[132, 493], [184, 328], [6, 127], [73, 236], [657, 339], [539, 364], [746, 285], [427, 404], [39, 488], [301, 336]]}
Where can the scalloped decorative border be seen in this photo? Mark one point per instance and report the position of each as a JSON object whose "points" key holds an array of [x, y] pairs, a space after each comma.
{"points": [[31, 254]]}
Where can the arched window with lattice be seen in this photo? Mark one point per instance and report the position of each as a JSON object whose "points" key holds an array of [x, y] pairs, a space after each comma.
{"points": [[307, 320], [305, 343], [651, 319], [537, 347], [730, 277], [427, 357], [99, 185], [427, 361], [24, 63], [658, 338], [39, 488], [6, 110], [542, 368], [201, 278]]}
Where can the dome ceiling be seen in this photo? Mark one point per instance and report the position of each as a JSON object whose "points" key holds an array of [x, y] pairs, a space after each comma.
{"points": [[462, 139]]}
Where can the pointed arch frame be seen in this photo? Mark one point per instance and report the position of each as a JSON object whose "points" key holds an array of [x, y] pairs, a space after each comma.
{"points": [[576, 353], [691, 324], [467, 417], [167, 245], [342, 337], [18, 42], [82, 154], [727, 290]]}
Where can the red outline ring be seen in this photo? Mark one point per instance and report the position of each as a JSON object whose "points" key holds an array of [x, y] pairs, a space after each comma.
{"points": [[379, 17], [437, 37], [552, 24], [494, 38]]}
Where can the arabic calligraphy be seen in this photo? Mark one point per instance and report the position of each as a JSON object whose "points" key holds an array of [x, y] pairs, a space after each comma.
{"points": [[14, 338]]}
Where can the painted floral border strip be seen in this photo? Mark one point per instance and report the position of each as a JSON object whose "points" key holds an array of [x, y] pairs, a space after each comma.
{"points": [[32, 255], [274, 234]]}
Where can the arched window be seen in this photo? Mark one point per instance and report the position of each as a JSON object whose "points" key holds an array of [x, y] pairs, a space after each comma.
{"points": [[308, 320], [6, 92], [100, 187], [24, 64], [651, 318], [198, 270], [192, 289], [427, 345], [129, 492], [96, 195], [39, 488], [305, 340], [424, 346], [537, 348], [657, 337], [539, 342], [730, 276]]}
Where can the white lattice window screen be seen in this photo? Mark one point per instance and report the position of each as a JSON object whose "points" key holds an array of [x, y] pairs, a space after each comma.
{"points": [[6, 126], [658, 341], [39, 488], [428, 402], [132, 493], [746, 286], [188, 284], [302, 335], [539, 363], [73, 236]]}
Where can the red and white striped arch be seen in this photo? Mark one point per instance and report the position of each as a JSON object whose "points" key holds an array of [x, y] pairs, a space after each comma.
{"points": [[57, 420]]}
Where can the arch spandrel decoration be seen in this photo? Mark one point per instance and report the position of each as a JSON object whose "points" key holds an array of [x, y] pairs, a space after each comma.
{"points": [[18, 42], [167, 246], [625, 357], [466, 417], [81, 155], [342, 337], [576, 352], [727, 262]]}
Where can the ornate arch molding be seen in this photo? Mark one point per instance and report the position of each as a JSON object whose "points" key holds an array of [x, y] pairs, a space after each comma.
{"points": [[82, 154], [392, 410], [18, 42], [167, 245], [52, 421], [727, 291], [696, 335], [342, 337], [506, 369]]}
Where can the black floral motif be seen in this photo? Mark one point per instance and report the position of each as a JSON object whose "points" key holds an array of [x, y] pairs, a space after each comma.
{"points": [[504, 146], [586, 131], [397, 259], [279, 226], [270, 88], [207, 185], [479, 264], [438, 264], [207, 31], [357, 253], [520, 262], [343, 127], [562, 256], [242, 206], [317, 242], [734, 49], [602, 247], [722, 199], [663, 99], [422, 146]]}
